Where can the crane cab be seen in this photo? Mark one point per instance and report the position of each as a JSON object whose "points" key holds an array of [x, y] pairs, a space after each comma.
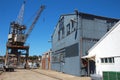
{"points": [[16, 34]]}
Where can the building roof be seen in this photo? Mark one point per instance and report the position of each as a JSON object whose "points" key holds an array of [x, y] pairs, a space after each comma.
{"points": [[92, 16], [89, 16]]}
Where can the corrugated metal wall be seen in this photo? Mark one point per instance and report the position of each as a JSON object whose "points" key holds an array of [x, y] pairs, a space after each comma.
{"points": [[92, 30]]}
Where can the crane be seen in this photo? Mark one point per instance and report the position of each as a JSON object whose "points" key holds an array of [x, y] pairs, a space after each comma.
{"points": [[17, 37], [34, 22], [20, 16]]}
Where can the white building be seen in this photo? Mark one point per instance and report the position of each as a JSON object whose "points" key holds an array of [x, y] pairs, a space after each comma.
{"points": [[106, 52], [73, 36]]}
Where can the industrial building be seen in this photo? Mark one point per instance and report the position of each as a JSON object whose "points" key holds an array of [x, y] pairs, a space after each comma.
{"points": [[106, 54], [73, 36]]}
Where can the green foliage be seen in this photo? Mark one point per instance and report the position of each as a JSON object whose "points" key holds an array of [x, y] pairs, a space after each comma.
{"points": [[34, 57]]}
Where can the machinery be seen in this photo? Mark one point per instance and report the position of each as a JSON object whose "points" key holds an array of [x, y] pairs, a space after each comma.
{"points": [[15, 46]]}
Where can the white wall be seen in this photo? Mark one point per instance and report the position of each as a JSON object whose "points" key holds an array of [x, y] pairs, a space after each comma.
{"points": [[100, 67], [108, 46]]}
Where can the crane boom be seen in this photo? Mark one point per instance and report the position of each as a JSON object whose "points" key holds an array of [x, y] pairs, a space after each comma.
{"points": [[19, 19], [34, 22]]}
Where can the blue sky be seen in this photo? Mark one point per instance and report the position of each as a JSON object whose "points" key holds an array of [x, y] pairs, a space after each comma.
{"points": [[44, 28]]}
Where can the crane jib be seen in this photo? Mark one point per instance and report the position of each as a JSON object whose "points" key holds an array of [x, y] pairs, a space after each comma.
{"points": [[34, 22]]}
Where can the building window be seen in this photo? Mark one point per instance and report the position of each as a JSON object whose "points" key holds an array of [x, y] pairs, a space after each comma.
{"points": [[61, 29], [107, 60], [55, 58], [113, 60], [62, 57], [63, 32], [68, 28], [61, 23], [73, 25], [102, 60], [110, 60], [58, 35]]}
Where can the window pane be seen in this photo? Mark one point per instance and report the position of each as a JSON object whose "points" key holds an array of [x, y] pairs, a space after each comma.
{"points": [[113, 59], [110, 60], [102, 60], [106, 60], [68, 29], [59, 35]]}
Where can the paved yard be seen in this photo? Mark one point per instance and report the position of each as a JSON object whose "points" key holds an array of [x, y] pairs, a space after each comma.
{"points": [[24, 75]]}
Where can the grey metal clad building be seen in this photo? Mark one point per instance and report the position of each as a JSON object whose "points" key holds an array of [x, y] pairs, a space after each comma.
{"points": [[73, 36]]}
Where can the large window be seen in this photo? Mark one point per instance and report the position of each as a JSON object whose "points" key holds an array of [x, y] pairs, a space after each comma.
{"points": [[59, 57], [58, 35], [68, 28], [73, 25], [61, 31], [55, 58], [61, 23], [107, 60]]}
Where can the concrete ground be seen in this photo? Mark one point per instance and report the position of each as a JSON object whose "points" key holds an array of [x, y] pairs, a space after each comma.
{"points": [[59, 75], [22, 74], [38, 74], [1, 72]]}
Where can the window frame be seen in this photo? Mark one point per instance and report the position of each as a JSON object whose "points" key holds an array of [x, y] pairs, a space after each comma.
{"points": [[107, 60], [68, 29]]}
